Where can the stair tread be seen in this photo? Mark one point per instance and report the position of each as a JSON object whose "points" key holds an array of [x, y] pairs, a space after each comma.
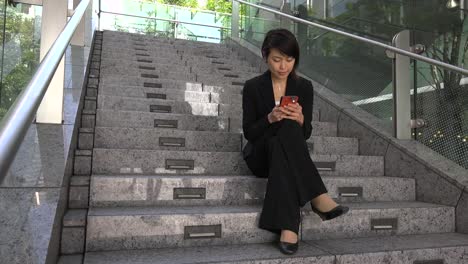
{"points": [[178, 131], [323, 249], [200, 209]]}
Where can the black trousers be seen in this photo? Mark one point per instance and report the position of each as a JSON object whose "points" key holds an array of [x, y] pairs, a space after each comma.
{"points": [[282, 156]]}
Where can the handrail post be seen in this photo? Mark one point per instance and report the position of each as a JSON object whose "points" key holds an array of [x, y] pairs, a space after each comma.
{"points": [[235, 20], [401, 88]]}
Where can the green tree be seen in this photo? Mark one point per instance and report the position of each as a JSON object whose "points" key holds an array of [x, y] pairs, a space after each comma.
{"points": [[21, 56], [219, 6]]}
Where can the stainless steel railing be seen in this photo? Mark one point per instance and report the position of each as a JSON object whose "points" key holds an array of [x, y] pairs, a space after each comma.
{"points": [[18, 119]]}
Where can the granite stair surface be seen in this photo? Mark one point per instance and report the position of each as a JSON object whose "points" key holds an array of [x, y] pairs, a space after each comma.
{"points": [[168, 183]]}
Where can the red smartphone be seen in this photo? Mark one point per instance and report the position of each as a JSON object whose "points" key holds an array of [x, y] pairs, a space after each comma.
{"points": [[288, 99]]}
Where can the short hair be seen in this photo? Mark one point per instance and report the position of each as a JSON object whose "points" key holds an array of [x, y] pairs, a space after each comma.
{"points": [[283, 40]]}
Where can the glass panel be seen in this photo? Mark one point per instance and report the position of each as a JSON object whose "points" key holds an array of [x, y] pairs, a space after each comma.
{"points": [[161, 27], [357, 71], [441, 95], [21, 25]]}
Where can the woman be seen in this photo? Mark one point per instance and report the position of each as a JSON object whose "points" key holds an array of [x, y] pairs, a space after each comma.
{"points": [[277, 147]]}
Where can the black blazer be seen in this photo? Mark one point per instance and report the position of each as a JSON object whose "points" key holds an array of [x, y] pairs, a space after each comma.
{"points": [[258, 101]]}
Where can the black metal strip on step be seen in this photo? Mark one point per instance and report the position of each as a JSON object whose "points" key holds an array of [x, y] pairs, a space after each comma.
{"points": [[432, 261], [144, 60], [238, 83], [152, 85], [160, 108], [350, 191], [180, 164], [189, 193], [224, 69], [231, 75], [142, 54], [141, 67], [217, 62], [325, 165], [212, 57], [140, 49], [156, 96], [171, 142], [202, 231], [384, 224], [147, 75], [163, 123]]}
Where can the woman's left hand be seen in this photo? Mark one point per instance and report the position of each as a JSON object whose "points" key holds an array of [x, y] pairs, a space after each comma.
{"points": [[293, 112]]}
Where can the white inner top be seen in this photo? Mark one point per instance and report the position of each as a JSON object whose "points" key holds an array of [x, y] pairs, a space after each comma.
{"points": [[277, 102]]}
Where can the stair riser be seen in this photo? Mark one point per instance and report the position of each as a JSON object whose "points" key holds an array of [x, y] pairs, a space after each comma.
{"points": [[176, 60], [175, 94], [177, 107], [169, 65], [183, 74], [107, 118], [117, 161], [196, 123], [132, 46], [156, 231], [111, 191], [151, 140], [154, 84], [197, 141], [358, 223], [143, 105]]}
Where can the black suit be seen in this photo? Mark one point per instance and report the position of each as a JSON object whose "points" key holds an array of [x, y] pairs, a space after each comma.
{"points": [[279, 152]]}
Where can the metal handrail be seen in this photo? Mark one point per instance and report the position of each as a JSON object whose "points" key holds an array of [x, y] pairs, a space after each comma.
{"points": [[365, 40], [165, 19], [18, 119]]}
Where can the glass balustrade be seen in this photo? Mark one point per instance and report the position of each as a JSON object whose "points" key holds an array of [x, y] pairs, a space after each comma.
{"points": [[20, 27]]}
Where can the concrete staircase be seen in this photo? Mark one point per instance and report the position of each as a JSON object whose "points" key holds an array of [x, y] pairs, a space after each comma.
{"points": [[168, 183]]}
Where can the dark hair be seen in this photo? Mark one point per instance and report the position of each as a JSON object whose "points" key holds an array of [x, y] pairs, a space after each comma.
{"points": [[283, 40]]}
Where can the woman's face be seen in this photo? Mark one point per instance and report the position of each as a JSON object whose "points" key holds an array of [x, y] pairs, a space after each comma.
{"points": [[280, 64]]}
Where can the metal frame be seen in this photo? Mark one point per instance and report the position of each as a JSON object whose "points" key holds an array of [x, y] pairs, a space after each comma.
{"points": [[365, 40], [18, 119]]}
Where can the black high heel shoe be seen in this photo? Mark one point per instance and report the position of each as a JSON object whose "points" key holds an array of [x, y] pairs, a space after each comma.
{"points": [[334, 213], [288, 248]]}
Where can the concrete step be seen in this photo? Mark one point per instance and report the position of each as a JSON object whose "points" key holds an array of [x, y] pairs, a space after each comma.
{"points": [[167, 50], [109, 118], [199, 64], [168, 139], [111, 63], [152, 83], [177, 93], [163, 71], [174, 74], [177, 107], [128, 161], [158, 227], [407, 249], [144, 190], [112, 118], [173, 106]]}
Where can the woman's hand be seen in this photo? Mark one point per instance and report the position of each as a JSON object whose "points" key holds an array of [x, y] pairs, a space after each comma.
{"points": [[293, 112], [276, 115]]}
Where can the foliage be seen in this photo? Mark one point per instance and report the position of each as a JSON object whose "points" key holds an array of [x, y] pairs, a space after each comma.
{"points": [[21, 57], [219, 6]]}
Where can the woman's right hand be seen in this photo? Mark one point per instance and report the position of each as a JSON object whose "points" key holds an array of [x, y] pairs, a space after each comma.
{"points": [[276, 115]]}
